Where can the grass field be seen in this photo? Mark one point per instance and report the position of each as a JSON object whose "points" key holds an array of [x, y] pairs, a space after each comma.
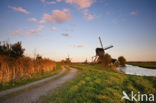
{"points": [[151, 65], [99, 84], [20, 82]]}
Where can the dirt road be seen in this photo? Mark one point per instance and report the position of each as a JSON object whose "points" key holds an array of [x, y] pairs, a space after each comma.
{"points": [[42, 88]]}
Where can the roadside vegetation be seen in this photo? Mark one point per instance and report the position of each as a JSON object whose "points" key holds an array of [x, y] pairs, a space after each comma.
{"points": [[17, 69], [99, 84], [151, 65]]}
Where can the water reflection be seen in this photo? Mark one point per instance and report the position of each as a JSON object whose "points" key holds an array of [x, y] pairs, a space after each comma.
{"points": [[135, 70]]}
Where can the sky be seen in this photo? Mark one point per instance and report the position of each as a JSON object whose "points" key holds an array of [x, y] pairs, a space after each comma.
{"points": [[57, 29]]}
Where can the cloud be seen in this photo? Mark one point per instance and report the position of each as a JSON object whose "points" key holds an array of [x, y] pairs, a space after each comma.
{"points": [[43, 1], [32, 19], [65, 34], [78, 46], [53, 28], [114, 21], [50, 2], [87, 15], [57, 16], [16, 32], [81, 4], [58, 0], [74, 25], [37, 30], [41, 27], [133, 12], [31, 31], [20, 9]]}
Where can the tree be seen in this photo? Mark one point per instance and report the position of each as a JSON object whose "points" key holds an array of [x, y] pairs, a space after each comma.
{"points": [[12, 50], [68, 61], [122, 60], [16, 50]]}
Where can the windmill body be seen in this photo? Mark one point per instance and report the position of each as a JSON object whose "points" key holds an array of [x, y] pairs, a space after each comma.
{"points": [[100, 52]]}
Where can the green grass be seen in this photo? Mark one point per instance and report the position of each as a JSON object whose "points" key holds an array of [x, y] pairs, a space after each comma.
{"points": [[13, 84], [99, 84], [151, 65]]}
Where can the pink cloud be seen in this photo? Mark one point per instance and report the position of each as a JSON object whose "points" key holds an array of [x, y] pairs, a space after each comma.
{"points": [[43, 1], [58, 0], [57, 16], [53, 28], [78, 46], [32, 19], [41, 27], [114, 21], [81, 3], [51, 2], [65, 34], [16, 32], [133, 12], [37, 30], [20, 9], [31, 31], [87, 15]]}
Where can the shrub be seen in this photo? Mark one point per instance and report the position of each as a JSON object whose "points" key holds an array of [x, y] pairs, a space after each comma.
{"points": [[105, 59], [122, 60]]}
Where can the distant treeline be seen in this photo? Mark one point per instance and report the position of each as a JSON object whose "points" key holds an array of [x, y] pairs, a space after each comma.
{"points": [[14, 66]]}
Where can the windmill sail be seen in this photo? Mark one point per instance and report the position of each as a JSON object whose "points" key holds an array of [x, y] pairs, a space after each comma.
{"points": [[100, 42], [108, 47]]}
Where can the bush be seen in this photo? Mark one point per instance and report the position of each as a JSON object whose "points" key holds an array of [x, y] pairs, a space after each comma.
{"points": [[17, 50], [105, 59], [122, 60], [12, 50]]}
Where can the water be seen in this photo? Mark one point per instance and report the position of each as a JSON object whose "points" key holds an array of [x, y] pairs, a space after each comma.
{"points": [[136, 70]]}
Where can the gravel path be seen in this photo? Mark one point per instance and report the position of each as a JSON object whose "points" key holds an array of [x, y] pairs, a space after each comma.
{"points": [[32, 95]]}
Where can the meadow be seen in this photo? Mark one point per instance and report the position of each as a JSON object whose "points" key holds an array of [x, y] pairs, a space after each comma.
{"points": [[151, 65], [99, 84]]}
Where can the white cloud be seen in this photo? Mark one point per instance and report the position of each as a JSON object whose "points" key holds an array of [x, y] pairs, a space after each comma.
{"points": [[57, 16], [20, 9]]}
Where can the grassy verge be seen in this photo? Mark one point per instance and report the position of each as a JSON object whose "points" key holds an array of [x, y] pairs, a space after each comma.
{"points": [[98, 84], [39, 76], [151, 65]]}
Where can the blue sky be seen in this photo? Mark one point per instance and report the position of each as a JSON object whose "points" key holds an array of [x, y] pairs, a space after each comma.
{"points": [[58, 28]]}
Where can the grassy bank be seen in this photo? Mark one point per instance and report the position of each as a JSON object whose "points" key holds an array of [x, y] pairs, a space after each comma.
{"points": [[98, 84], [151, 65]]}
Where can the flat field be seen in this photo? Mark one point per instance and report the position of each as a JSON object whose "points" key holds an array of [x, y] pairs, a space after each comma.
{"points": [[151, 65]]}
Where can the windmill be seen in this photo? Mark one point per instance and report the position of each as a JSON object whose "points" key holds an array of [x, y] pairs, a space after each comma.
{"points": [[100, 52]]}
